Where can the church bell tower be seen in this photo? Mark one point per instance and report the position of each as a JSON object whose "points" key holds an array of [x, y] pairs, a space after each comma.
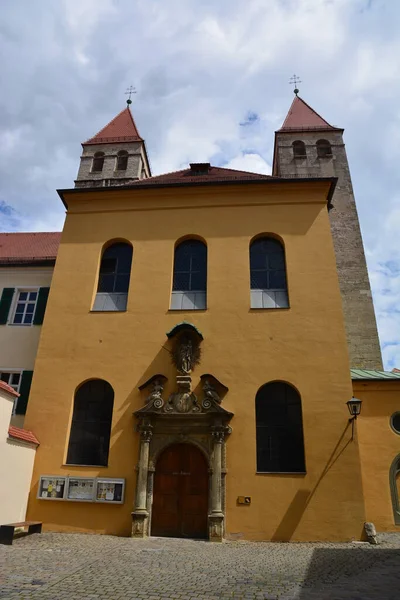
{"points": [[308, 146], [116, 155]]}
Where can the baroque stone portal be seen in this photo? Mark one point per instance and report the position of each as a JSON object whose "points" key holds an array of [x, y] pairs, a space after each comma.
{"points": [[182, 418]]}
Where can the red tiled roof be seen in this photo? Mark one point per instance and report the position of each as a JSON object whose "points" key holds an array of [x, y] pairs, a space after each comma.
{"points": [[8, 388], [210, 175], [22, 434], [301, 116], [16, 248], [121, 129]]}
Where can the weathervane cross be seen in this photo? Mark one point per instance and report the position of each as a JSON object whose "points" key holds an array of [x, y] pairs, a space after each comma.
{"points": [[294, 81], [131, 90]]}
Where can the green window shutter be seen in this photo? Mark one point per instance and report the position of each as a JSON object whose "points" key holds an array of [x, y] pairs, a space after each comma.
{"points": [[24, 389], [41, 306], [5, 304]]}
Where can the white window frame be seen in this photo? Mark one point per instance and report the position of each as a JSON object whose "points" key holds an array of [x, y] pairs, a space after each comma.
{"points": [[17, 388], [15, 303]]}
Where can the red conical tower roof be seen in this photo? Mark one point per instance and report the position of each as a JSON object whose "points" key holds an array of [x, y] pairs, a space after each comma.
{"points": [[121, 129], [301, 116]]}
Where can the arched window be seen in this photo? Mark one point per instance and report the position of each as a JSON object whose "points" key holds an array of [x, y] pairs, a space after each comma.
{"points": [[268, 274], [279, 429], [394, 481], [324, 149], [122, 160], [189, 289], [98, 161], [89, 439], [299, 149], [114, 276]]}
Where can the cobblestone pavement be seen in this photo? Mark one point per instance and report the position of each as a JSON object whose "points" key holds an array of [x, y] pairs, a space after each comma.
{"points": [[87, 567]]}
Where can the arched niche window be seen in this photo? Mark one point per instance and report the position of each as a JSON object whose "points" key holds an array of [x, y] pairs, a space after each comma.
{"points": [[394, 481], [122, 160], [324, 149], [299, 149], [279, 429], [189, 288], [98, 162], [268, 274], [114, 276], [89, 439]]}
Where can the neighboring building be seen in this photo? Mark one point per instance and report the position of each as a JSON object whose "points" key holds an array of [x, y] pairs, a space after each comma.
{"points": [[17, 452], [193, 368], [26, 268]]}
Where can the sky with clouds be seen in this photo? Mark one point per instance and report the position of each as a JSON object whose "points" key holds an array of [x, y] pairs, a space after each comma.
{"points": [[212, 85]]}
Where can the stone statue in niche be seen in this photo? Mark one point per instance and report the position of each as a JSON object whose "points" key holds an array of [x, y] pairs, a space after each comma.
{"points": [[186, 352], [210, 394]]}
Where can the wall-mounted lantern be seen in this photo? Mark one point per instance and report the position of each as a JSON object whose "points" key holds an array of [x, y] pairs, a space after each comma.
{"points": [[354, 406]]}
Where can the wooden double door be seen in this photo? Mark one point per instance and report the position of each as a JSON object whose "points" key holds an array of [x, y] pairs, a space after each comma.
{"points": [[180, 496]]}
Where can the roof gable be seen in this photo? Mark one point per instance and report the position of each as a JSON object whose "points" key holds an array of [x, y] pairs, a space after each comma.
{"points": [[301, 116], [121, 129]]}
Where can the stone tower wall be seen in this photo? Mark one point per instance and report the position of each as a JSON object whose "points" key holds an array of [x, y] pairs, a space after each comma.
{"points": [[137, 166], [362, 335]]}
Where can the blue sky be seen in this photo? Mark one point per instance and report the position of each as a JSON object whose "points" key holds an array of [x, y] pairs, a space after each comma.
{"points": [[212, 85]]}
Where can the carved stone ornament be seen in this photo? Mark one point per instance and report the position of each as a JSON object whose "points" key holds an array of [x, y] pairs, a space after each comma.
{"points": [[210, 394], [184, 400], [155, 396], [186, 351]]}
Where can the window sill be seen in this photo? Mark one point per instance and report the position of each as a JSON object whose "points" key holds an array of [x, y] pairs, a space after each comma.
{"points": [[269, 308], [281, 472], [86, 466], [182, 310], [113, 312], [21, 324]]}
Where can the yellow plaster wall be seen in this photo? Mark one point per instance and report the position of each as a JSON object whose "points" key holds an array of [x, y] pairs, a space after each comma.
{"points": [[379, 446], [304, 345]]}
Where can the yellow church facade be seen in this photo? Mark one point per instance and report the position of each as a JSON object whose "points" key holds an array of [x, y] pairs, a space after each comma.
{"points": [[193, 371]]}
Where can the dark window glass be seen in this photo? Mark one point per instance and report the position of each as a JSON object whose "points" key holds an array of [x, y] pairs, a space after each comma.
{"points": [[190, 267], [279, 429], [122, 160], [23, 295], [267, 265], [89, 439], [115, 269], [98, 162], [299, 148], [396, 422], [324, 149]]}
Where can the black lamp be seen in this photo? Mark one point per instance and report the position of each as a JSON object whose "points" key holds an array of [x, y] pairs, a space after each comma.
{"points": [[354, 406]]}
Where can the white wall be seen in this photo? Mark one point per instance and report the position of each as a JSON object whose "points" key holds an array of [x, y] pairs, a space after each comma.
{"points": [[16, 464], [18, 343]]}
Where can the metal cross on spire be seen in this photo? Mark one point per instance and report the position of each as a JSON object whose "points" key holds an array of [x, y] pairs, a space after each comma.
{"points": [[294, 81], [131, 90]]}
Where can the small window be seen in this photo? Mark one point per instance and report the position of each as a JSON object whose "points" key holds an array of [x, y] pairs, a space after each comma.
{"points": [[98, 162], [13, 379], [395, 422], [122, 160], [299, 149], [324, 149], [114, 277], [268, 288], [25, 307], [89, 440], [279, 429], [189, 289]]}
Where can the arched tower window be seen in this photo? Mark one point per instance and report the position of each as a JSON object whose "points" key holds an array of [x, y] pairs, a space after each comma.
{"points": [[114, 276], [299, 149], [394, 481], [122, 160], [279, 429], [324, 149], [189, 288], [268, 274], [98, 162], [89, 438]]}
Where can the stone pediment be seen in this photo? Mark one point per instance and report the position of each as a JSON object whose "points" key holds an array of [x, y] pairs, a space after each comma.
{"points": [[184, 401]]}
